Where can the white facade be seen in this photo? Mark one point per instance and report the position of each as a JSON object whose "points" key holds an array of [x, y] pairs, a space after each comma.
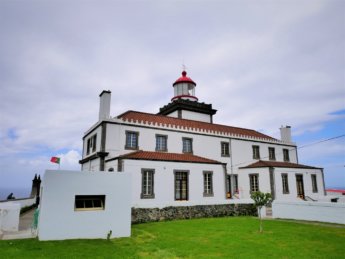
{"points": [[231, 149], [60, 216], [265, 181]]}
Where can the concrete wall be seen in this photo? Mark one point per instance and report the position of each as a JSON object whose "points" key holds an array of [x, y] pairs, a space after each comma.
{"points": [[312, 211], [9, 216], [58, 218], [25, 202]]}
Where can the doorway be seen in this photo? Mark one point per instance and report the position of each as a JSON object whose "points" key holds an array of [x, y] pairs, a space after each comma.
{"points": [[181, 186], [300, 186]]}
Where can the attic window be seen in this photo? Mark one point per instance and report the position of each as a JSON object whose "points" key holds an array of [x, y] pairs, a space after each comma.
{"points": [[89, 202]]}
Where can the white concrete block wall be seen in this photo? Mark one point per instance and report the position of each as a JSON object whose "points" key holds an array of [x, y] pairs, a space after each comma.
{"points": [[58, 218], [312, 211], [9, 216]]}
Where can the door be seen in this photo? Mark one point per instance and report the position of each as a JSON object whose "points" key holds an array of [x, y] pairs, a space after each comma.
{"points": [[181, 186], [300, 186], [228, 186]]}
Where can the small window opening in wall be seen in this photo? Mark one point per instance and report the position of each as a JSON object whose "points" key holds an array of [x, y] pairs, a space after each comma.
{"points": [[89, 202], [256, 152]]}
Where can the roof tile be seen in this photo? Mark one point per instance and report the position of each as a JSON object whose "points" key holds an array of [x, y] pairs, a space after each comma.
{"points": [[155, 119], [163, 156], [262, 163]]}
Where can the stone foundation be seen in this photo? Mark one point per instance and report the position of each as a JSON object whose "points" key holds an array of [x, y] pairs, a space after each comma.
{"points": [[142, 215]]}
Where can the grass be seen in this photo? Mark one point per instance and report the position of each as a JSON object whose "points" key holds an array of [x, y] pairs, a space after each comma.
{"points": [[231, 237]]}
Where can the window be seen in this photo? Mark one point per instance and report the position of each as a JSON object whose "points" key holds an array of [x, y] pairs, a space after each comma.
{"points": [[256, 152], [181, 186], [161, 143], [147, 191], [225, 151], [285, 183], [235, 183], [89, 202], [187, 144], [286, 155], [208, 184], [254, 182], [314, 182], [91, 144], [271, 153], [131, 140], [120, 165]]}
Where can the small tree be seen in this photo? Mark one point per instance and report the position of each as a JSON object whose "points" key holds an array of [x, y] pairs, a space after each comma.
{"points": [[261, 199]]}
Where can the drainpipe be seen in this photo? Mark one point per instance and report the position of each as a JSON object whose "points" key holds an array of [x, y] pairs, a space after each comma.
{"points": [[232, 191], [225, 177]]}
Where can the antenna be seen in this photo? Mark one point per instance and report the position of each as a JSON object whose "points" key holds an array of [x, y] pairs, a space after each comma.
{"points": [[184, 67]]}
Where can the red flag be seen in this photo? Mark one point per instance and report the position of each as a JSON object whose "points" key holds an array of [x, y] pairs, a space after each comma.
{"points": [[55, 159]]}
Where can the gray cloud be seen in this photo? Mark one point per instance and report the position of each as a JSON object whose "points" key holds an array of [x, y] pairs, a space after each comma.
{"points": [[260, 63]]}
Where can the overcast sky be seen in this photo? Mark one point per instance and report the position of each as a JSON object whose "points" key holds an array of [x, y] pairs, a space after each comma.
{"points": [[261, 64]]}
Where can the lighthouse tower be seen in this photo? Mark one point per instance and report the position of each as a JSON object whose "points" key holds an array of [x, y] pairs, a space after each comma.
{"points": [[184, 88], [185, 105]]}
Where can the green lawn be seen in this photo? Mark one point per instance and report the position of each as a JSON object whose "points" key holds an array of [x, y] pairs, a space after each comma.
{"points": [[231, 237]]}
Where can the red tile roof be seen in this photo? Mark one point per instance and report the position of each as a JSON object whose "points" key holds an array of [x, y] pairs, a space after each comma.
{"points": [[261, 163], [155, 119], [335, 190], [163, 156]]}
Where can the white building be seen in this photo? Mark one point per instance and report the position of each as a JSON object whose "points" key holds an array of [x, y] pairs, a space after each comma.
{"points": [[180, 157]]}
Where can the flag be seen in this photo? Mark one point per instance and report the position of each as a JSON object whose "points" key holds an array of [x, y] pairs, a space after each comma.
{"points": [[55, 159]]}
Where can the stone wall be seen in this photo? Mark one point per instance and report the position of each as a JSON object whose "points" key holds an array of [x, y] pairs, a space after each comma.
{"points": [[142, 215]]}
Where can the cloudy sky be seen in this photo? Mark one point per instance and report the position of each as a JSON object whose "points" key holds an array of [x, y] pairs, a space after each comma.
{"points": [[262, 64]]}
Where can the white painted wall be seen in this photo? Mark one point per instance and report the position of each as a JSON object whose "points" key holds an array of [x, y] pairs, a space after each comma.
{"points": [[96, 131], [196, 116], [9, 216], [59, 220], [164, 182], [312, 211], [203, 145], [264, 182], [308, 191], [244, 183], [173, 114], [25, 202]]}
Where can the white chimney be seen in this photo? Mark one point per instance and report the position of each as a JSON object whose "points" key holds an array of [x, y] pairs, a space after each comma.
{"points": [[104, 105], [285, 133]]}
